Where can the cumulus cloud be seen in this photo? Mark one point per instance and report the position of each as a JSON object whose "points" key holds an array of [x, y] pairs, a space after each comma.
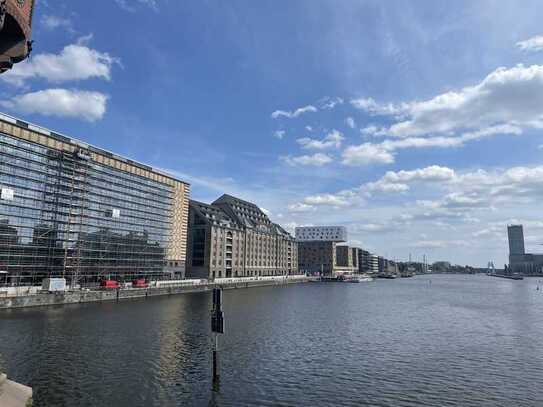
{"points": [[507, 96], [398, 181], [295, 113], [383, 153], [370, 106], [531, 44], [317, 160], [366, 154], [371, 130], [90, 106], [326, 200], [332, 140], [300, 207], [279, 134], [75, 62]]}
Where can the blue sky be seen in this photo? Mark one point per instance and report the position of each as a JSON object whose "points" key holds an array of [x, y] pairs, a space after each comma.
{"points": [[417, 124]]}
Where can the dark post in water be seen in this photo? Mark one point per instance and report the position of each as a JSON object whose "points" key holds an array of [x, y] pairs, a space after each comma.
{"points": [[217, 327]]}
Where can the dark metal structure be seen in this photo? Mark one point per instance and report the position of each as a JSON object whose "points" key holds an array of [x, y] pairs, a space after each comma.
{"points": [[15, 31], [217, 328]]}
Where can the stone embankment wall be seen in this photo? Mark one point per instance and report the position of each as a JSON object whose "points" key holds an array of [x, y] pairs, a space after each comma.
{"points": [[14, 394], [75, 297]]}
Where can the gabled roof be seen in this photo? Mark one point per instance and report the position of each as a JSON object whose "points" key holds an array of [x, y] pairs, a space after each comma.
{"points": [[213, 214], [245, 213]]}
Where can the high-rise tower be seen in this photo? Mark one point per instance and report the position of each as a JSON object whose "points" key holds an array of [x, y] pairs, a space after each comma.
{"points": [[516, 240]]}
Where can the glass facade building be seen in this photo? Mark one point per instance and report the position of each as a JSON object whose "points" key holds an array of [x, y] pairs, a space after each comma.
{"points": [[71, 210]]}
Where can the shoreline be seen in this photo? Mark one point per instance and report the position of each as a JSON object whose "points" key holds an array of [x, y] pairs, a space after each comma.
{"points": [[78, 297]]}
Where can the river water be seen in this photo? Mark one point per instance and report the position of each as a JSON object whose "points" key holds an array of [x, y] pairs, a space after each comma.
{"points": [[423, 341]]}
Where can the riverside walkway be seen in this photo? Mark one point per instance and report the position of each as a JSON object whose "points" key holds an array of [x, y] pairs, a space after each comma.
{"points": [[34, 297]]}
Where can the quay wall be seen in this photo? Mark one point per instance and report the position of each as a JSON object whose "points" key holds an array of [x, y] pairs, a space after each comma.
{"points": [[75, 297]]}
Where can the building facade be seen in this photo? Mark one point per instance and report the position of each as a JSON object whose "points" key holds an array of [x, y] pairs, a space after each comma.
{"points": [[520, 261], [68, 209], [321, 233], [325, 258], [235, 238]]}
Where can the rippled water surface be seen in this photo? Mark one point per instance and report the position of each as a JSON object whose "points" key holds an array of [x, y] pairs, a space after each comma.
{"points": [[452, 341]]}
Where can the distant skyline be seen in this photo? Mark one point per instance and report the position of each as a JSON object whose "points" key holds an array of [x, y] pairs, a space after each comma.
{"points": [[417, 125]]}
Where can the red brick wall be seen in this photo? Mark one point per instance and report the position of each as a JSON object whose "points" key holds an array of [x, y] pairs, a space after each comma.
{"points": [[22, 13]]}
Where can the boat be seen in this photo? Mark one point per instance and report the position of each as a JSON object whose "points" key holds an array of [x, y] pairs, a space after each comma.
{"points": [[386, 275], [357, 279], [508, 276]]}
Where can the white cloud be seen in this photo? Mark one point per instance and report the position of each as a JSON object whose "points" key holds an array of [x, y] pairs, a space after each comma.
{"points": [[531, 44], [329, 103], [300, 207], [326, 200], [366, 154], [51, 22], [295, 113], [371, 130], [349, 121], [398, 181], [383, 152], [279, 134], [439, 244], [317, 160], [90, 106], [511, 96], [309, 128], [128, 5], [75, 62], [332, 140], [372, 107]]}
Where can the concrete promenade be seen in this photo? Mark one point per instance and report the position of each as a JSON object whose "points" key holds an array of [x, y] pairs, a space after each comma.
{"points": [[82, 296], [14, 394]]}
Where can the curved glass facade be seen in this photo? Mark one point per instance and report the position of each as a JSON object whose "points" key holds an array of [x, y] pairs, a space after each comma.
{"points": [[63, 214]]}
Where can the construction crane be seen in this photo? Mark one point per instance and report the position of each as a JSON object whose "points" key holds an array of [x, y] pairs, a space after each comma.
{"points": [[15, 32]]}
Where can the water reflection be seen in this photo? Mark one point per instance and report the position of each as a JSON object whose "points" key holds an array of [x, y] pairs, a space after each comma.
{"points": [[463, 341]]}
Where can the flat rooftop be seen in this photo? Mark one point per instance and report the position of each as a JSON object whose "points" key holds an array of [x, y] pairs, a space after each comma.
{"points": [[61, 137]]}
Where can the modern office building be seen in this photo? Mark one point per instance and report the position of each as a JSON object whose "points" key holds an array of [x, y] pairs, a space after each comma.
{"points": [[321, 233], [520, 261], [355, 254], [515, 236], [364, 261], [345, 262], [374, 264], [235, 238], [325, 258], [68, 209]]}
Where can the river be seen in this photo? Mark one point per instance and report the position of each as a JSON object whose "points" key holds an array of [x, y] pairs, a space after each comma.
{"points": [[424, 341]]}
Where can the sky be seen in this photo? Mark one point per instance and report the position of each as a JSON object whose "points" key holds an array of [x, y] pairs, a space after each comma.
{"points": [[416, 124]]}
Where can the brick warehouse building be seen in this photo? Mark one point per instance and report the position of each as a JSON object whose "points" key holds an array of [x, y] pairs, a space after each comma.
{"points": [[234, 238], [68, 209]]}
